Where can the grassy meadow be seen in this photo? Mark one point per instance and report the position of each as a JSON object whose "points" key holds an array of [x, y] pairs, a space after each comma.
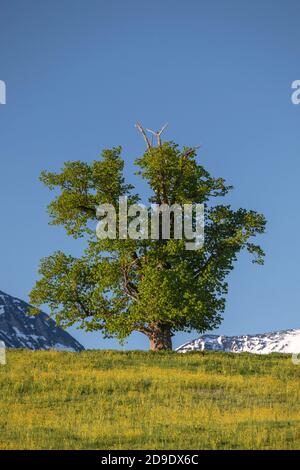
{"points": [[140, 400]]}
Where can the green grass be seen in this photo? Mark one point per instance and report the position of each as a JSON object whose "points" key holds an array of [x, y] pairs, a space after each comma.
{"points": [[137, 400]]}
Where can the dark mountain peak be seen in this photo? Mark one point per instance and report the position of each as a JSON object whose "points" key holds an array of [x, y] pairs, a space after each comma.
{"points": [[19, 330]]}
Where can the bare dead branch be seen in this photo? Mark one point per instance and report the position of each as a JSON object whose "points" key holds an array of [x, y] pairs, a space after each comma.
{"points": [[140, 128], [157, 134], [163, 128]]}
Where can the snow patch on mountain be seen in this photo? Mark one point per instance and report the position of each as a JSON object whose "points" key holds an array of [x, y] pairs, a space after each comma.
{"points": [[286, 341]]}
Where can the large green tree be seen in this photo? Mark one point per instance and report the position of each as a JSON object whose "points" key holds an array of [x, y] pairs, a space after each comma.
{"points": [[155, 287]]}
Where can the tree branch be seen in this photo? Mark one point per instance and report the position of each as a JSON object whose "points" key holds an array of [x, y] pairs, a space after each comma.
{"points": [[140, 128], [190, 150], [158, 134], [129, 287], [88, 210]]}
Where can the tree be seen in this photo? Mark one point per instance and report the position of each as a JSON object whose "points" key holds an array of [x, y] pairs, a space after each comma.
{"points": [[155, 287]]}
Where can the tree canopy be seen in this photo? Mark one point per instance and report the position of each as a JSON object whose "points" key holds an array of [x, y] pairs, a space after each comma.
{"points": [[155, 287]]}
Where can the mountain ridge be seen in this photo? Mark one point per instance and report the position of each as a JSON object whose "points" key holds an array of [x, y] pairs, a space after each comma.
{"points": [[283, 341], [20, 330]]}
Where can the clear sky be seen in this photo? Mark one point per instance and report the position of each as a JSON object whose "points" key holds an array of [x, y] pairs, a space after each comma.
{"points": [[80, 73]]}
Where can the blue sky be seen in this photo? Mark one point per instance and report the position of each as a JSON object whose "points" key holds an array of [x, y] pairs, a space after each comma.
{"points": [[80, 74]]}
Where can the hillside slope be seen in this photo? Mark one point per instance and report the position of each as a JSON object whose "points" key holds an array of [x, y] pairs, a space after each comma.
{"points": [[143, 400]]}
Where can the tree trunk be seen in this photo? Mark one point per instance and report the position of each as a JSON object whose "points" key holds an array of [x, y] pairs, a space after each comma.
{"points": [[161, 338]]}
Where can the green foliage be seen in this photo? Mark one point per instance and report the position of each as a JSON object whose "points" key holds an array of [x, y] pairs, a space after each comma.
{"points": [[120, 286], [83, 187]]}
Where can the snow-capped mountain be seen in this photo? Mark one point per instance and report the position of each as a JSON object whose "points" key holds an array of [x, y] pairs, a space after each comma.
{"points": [[19, 330], [287, 341]]}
